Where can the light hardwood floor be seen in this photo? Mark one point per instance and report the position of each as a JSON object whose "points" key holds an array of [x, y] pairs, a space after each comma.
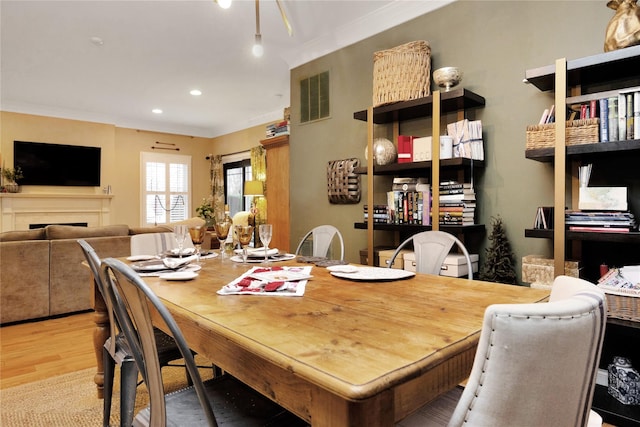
{"points": [[37, 350]]}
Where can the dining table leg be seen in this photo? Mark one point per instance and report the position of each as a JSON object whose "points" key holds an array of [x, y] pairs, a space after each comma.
{"points": [[100, 335]]}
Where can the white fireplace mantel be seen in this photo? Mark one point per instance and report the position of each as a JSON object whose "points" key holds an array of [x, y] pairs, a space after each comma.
{"points": [[19, 210]]}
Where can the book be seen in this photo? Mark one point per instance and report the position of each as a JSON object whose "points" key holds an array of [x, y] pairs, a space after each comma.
{"points": [[630, 118], [613, 118], [599, 229], [636, 114], [592, 109], [622, 117], [604, 120]]}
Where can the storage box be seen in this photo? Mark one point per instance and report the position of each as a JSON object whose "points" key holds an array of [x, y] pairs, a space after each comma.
{"points": [[454, 265], [422, 149], [577, 132], [603, 198], [385, 257], [539, 271], [376, 255], [405, 149]]}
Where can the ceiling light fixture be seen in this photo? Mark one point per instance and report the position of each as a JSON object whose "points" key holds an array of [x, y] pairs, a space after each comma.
{"points": [[156, 111], [225, 4], [257, 49], [195, 92]]}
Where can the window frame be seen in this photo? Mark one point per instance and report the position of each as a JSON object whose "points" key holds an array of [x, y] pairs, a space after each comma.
{"points": [[167, 159]]}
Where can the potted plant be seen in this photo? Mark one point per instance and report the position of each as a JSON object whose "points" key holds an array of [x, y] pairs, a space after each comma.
{"points": [[11, 178], [205, 211]]}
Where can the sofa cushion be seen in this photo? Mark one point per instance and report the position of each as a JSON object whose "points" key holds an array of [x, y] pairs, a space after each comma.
{"points": [[14, 236], [24, 276], [156, 229], [73, 232]]}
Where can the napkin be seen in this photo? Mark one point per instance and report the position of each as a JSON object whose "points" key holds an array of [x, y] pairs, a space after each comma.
{"points": [[274, 281]]}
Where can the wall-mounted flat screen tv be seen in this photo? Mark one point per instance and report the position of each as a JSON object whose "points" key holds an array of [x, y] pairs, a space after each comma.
{"points": [[57, 164]]}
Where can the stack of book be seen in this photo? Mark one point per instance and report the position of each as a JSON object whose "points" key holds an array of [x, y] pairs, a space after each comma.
{"points": [[600, 221], [278, 129], [457, 203], [380, 214], [409, 201]]}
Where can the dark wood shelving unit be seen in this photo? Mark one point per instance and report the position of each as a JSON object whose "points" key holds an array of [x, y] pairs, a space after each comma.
{"points": [[595, 77], [395, 168], [454, 100]]}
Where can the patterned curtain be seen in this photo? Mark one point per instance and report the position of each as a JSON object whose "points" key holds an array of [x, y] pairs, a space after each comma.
{"points": [[217, 185], [259, 173]]}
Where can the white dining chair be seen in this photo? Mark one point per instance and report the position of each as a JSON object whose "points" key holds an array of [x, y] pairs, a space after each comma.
{"points": [[535, 365], [322, 237], [155, 243]]}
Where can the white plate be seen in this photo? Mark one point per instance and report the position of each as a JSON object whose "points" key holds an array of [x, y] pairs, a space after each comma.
{"points": [[343, 268], [256, 260], [375, 274], [256, 253], [135, 258], [179, 275]]}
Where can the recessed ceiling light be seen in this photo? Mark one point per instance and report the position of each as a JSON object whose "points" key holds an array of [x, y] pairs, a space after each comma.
{"points": [[196, 92], [97, 41], [156, 111]]}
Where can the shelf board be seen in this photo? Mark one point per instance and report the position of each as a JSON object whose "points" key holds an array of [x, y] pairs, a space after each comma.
{"points": [[631, 237], [454, 100], [395, 168], [452, 229], [612, 411], [585, 150], [618, 65]]}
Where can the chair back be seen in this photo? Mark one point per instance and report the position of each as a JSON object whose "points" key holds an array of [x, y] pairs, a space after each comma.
{"points": [[536, 363], [322, 237], [155, 243], [94, 264], [131, 299], [431, 248]]}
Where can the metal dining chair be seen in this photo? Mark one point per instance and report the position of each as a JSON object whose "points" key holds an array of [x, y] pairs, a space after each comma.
{"points": [[116, 352], [431, 248], [220, 401], [322, 237]]}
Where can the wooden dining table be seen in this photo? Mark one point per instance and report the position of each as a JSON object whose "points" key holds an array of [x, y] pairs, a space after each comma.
{"points": [[346, 353]]}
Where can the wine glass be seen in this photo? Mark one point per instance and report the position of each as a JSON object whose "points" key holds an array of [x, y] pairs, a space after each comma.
{"points": [[197, 237], [222, 231], [265, 238], [180, 233], [244, 233]]}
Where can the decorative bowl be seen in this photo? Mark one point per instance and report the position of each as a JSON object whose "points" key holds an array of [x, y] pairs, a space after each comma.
{"points": [[447, 77]]}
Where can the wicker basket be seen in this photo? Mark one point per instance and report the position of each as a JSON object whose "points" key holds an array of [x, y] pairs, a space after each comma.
{"points": [[623, 307], [402, 73], [343, 184], [578, 132]]}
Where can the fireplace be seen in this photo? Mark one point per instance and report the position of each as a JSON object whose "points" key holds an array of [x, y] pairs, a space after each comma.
{"points": [[76, 224], [24, 211]]}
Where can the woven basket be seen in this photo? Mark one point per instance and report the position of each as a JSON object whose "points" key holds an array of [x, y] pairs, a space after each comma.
{"points": [[343, 185], [402, 73], [577, 132], [623, 307]]}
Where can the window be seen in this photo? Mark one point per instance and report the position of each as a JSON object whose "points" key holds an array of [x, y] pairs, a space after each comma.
{"points": [[165, 188], [314, 97], [235, 174]]}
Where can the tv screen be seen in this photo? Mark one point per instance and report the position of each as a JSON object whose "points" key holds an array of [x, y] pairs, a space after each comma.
{"points": [[57, 164]]}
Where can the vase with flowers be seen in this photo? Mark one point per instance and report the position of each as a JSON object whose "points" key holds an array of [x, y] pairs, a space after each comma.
{"points": [[205, 211], [10, 178]]}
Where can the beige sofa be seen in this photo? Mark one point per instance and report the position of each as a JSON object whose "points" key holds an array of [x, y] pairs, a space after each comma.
{"points": [[41, 271]]}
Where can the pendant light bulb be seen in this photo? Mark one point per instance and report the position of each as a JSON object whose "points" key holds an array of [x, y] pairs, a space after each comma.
{"points": [[225, 4], [257, 49]]}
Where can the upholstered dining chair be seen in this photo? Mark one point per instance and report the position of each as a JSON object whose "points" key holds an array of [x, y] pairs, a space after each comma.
{"points": [[116, 352], [155, 243], [535, 364], [220, 401], [431, 248], [322, 237]]}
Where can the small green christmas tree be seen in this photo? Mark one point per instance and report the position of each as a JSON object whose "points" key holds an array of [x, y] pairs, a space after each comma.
{"points": [[498, 265]]}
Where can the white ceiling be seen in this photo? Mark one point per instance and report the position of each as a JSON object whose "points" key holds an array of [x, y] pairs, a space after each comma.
{"points": [[154, 52]]}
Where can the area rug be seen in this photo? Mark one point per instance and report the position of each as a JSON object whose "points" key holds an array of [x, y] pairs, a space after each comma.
{"points": [[71, 399]]}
